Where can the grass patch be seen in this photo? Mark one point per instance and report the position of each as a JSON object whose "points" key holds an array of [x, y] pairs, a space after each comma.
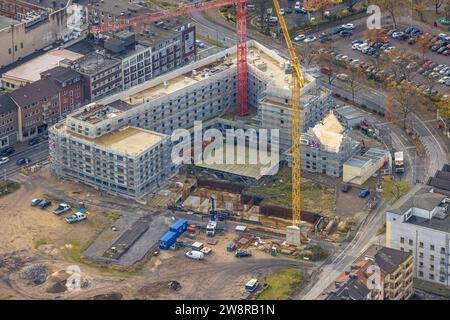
{"points": [[74, 250], [161, 4], [8, 187], [283, 284], [316, 197], [40, 243]]}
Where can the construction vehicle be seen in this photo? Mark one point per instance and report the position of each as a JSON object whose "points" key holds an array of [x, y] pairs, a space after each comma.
{"points": [[399, 162], [297, 82], [241, 26], [212, 223]]}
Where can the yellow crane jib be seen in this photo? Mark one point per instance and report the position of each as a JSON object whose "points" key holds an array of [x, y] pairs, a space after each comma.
{"points": [[297, 82]]}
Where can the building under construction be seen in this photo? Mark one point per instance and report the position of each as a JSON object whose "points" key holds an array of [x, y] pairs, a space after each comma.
{"points": [[200, 91]]}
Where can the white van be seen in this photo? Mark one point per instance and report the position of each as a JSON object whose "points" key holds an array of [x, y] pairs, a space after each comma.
{"points": [[196, 255], [251, 7]]}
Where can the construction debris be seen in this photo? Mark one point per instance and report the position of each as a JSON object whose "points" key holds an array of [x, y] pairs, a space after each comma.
{"points": [[36, 273]]}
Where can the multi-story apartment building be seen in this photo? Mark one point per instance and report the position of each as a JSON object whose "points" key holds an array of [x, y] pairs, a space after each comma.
{"points": [[420, 225], [8, 121], [380, 273], [275, 112], [44, 102], [128, 59], [199, 91], [71, 93], [325, 148], [26, 26]]}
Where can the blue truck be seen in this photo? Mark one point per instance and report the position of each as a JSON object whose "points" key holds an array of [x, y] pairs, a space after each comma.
{"points": [[179, 226], [167, 240]]}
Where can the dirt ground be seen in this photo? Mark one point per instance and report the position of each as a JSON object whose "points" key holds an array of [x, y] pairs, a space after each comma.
{"points": [[32, 236]]}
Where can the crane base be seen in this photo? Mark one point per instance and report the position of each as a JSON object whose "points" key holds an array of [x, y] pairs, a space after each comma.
{"points": [[293, 235]]}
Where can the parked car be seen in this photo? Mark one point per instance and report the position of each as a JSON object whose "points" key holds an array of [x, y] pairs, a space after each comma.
{"points": [[35, 202], [326, 70], [231, 247], [76, 217], [23, 161], [299, 37], [243, 253], [346, 188], [7, 152], [364, 193], [62, 208], [348, 26], [289, 10], [4, 160], [196, 255], [44, 204], [346, 33], [34, 141], [343, 77], [200, 44], [310, 39]]}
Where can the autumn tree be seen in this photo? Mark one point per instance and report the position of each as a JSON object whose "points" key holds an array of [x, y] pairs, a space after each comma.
{"points": [[392, 189], [422, 43], [375, 35], [401, 100], [443, 107], [308, 53], [318, 5], [419, 6]]}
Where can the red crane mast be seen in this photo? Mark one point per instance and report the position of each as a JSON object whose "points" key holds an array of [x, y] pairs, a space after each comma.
{"points": [[241, 25]]}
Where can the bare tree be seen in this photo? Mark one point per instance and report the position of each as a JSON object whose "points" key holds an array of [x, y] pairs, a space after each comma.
{"points": [[330, 66], [400, 63], [401, 100], [391, 6], [351, 4], [437, 4]]}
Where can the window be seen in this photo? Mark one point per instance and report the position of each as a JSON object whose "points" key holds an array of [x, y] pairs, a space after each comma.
{"points": [[421, 244], [410, 242], [421, 274], [432, 247], [402, 240]]}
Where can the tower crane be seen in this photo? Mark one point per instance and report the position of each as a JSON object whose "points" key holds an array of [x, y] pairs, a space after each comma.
{"points": [[297, 82], [241, 26]]}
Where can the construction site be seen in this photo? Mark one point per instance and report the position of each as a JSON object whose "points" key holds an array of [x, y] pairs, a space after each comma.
{"points": [[142, 226]]}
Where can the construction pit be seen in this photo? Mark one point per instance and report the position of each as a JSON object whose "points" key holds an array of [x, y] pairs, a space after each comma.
{"points": [[41, 252]]}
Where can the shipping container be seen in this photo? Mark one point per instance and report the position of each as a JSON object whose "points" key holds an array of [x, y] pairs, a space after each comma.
{"points": [[179, 227], [167, 240]]}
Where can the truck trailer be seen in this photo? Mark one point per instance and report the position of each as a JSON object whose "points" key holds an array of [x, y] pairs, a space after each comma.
{"points": [[399, 162]]}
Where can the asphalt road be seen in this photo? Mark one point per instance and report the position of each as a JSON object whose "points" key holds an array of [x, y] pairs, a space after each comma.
{"points": [[36, 153]]}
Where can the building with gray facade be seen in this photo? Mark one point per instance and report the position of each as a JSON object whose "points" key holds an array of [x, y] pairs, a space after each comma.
{"points": [[200, 91], [420, 225]]}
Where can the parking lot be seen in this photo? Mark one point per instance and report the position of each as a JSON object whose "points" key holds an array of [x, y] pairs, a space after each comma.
{"points": [[429, 74]]}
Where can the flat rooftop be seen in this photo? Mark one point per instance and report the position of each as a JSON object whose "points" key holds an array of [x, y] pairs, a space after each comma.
{"points": [[435, 223], [256, 58], [130, 140], [31, 71], [373, 155], [6, 22], [349, 112]]}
